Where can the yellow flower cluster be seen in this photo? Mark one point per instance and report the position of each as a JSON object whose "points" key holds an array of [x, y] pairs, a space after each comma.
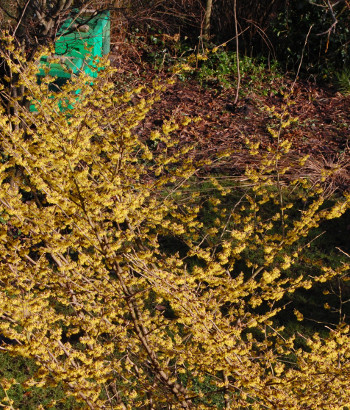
{"points": [[114, 284]]}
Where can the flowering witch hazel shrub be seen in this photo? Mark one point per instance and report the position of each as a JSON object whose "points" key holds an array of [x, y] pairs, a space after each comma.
{"points": [[110, 314]]}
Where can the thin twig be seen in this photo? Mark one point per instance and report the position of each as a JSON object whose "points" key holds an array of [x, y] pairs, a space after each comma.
{"points": [[301, 59], [21, 17], [237, 52]]}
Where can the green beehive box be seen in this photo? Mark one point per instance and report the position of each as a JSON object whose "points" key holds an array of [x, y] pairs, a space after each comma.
{"points": [[80, 42], [85, 37]]}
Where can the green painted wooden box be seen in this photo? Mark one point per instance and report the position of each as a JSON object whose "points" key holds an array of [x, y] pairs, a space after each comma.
{"points": [[80, 41], [84, 38]]}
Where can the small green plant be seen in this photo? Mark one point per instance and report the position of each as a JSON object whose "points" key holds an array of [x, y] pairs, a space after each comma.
{"points": [[218, 68], [343, 81]]}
